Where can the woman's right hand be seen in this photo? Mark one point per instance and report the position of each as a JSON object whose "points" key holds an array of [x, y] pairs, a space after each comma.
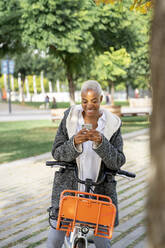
{"points": [[81, 136]]}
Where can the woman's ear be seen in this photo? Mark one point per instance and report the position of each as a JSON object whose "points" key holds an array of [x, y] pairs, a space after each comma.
{"points": [[101, 98]]}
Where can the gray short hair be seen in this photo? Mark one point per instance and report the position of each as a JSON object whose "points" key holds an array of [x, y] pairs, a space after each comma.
{"points": [[91, 85]]}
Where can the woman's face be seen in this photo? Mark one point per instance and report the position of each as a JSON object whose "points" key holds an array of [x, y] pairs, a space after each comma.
{"points": [[90, 101]]}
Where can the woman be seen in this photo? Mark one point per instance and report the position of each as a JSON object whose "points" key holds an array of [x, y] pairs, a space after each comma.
{"points": [[94, 151]]}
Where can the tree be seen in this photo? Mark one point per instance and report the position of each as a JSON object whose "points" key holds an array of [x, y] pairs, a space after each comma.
{"points": [[61, 28], [27, 64], [23, 65], [130, 30], [112, 65], [138, 73], [156, 196], [75, 31], [53, 68], [10, 28]]}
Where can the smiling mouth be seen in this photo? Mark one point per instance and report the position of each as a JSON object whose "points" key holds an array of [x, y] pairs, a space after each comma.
{"points": [[90, 110]]}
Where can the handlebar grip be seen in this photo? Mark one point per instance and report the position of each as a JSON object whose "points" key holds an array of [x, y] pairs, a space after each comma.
{"points": [[51, 163], [59, 163], [126, 173]]}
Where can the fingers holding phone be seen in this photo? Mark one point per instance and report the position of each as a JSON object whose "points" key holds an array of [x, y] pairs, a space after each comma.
{"points": [[95, 136], [87, 133], [81, 136]]}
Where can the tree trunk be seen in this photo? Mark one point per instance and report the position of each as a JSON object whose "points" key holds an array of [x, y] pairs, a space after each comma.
{"points": [[111, 85], [127, 91], [22, 90], [156, 193], [71, 88]]}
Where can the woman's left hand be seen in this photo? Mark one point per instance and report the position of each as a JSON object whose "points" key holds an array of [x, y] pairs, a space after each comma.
{"points": [[94, 136]]}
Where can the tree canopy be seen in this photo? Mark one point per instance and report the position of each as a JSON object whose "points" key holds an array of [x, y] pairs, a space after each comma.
{"points": [[76, 30], [59, 25], [10, 28], [112, 64], [73, 33], [139, 5]]}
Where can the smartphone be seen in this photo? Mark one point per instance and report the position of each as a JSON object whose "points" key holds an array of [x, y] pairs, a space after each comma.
{"points": [[87, 126]]}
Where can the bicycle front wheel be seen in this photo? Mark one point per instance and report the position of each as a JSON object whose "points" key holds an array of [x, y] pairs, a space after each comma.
{"points": [[79, 243]]}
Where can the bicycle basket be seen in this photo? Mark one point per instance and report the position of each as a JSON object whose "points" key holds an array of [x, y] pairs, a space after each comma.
{"points": [[95, 212]]}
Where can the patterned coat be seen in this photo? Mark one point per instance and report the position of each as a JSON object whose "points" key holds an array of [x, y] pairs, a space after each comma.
{"points": [[110, 152]]}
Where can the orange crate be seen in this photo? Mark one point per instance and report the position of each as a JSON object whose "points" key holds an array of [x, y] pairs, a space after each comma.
{"points": [[97, 213]]}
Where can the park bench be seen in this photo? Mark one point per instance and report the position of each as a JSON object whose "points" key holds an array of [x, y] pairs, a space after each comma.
{"points": [[57, 114], [140, 102], [137, 107], [134, 113]]}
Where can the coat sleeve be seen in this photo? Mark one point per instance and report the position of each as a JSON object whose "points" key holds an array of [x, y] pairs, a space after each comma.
{"points": [[63, 147], [111, 151]]}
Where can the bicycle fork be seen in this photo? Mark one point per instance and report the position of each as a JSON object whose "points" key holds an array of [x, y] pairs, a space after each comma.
{"points": [[79, 233]]}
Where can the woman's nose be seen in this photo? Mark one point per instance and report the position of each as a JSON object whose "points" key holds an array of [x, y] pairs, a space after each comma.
{"points": [[89, 105]]}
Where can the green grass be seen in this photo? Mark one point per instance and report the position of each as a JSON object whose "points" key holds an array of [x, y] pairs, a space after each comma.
{"points": [[24, 139], [134, 123], [122, 103]]}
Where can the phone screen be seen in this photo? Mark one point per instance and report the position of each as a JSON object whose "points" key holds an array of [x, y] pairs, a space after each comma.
{"points": [[87, 126]]}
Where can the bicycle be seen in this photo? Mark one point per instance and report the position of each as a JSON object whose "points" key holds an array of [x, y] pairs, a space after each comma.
{"points": [[99, 210]]}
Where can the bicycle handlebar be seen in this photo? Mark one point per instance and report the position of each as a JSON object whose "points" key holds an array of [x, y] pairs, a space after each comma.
{"points": [[126, 173], [73, 166], [61, 163]]}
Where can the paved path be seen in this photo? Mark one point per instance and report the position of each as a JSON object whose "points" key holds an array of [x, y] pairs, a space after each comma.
{"points": [[21, 113], [25, 191]]}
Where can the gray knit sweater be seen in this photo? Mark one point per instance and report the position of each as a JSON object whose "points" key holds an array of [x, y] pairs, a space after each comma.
{"points": [[110, 151]]}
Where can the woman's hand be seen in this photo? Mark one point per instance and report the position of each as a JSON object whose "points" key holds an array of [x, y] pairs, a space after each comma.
{"points": [[81, 136], [94, 136]]}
